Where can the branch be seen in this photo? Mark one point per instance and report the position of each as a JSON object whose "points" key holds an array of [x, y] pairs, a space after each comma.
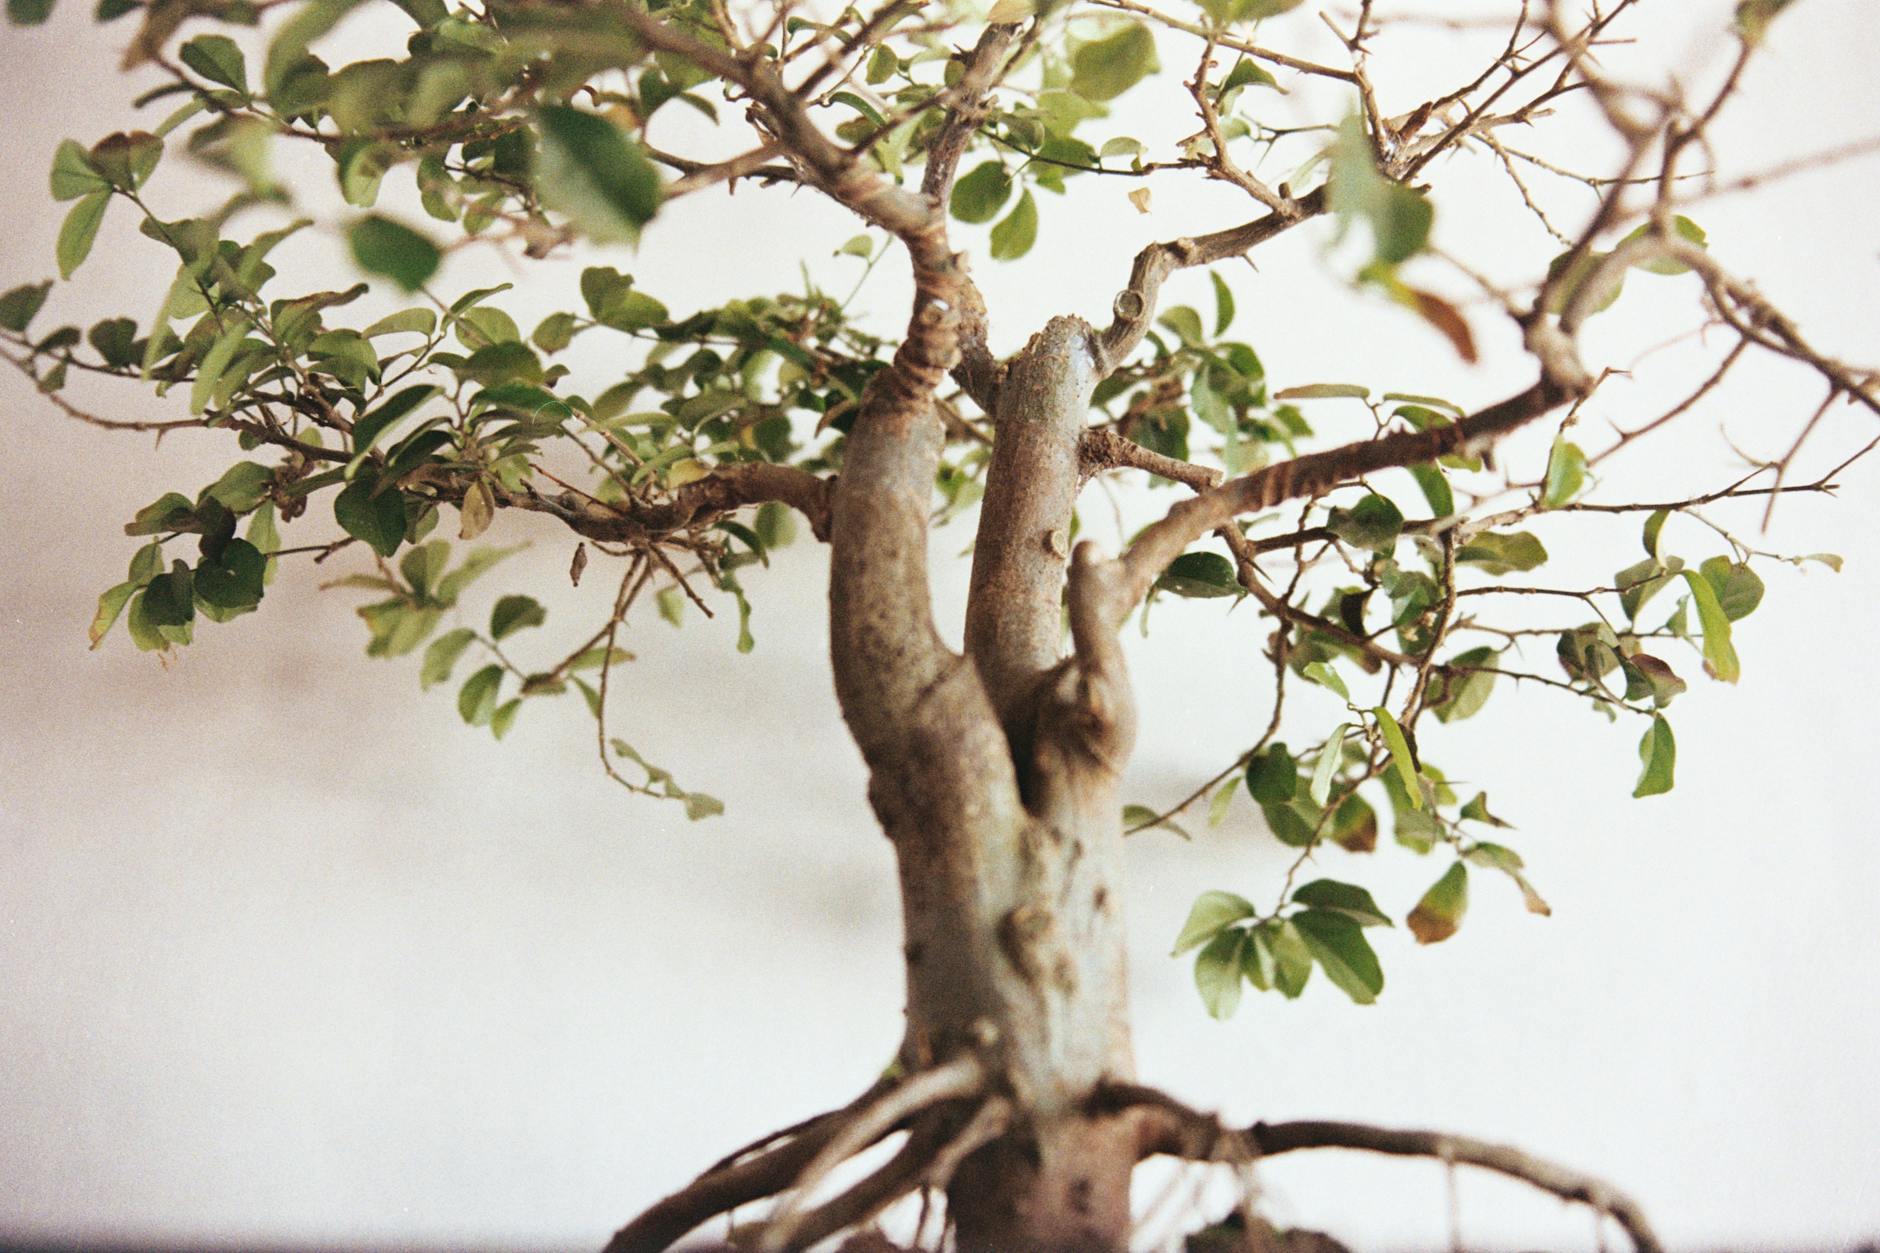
{"points": [[1313, 474], [1014, 616], [1170, 1127], [1134, 308], [721, 491], [978, 371]]}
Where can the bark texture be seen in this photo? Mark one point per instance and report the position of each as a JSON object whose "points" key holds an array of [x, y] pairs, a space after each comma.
{"points": [[994, 774]]}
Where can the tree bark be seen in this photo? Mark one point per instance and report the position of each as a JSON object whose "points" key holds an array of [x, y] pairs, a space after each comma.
{"points": [[994, 774]]}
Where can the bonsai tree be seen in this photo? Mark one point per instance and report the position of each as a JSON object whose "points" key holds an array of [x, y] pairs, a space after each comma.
{"points": [[1394, 562]]}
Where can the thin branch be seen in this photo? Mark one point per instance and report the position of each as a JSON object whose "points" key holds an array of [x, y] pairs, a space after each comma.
{"points": [[1134, 307]]}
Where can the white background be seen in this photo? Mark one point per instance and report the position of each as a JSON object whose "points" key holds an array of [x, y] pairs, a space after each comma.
{"points": [[287, 953]]}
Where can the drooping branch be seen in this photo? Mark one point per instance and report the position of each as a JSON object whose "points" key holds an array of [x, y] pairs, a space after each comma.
{"points": [[1168, 1127]]}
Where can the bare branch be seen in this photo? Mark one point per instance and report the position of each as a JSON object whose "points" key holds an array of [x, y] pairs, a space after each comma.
{"points": [[1134, 308]]}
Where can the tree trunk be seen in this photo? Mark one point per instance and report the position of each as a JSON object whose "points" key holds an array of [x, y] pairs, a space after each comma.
{"points": [[995, 777]]}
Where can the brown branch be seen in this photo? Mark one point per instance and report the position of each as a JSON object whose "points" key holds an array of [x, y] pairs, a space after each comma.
{"points": [[698, 502], [1313, 474], [978, 371], [1134, 307]]}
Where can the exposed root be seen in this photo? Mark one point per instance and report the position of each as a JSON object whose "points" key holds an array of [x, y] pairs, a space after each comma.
{"points": [[962, 1077], [1170, 1127], [800, 1158]]}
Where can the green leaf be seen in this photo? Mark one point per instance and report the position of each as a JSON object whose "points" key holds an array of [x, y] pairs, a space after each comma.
{"points": [[1685, 229], [596, 175], [1324, 391], [1719, 653], [28, 12], [1273, 776], [1566, 475], [1223, 304], [215, 363], [1322, 674], [1373, 523], [126, 159], [476, 701], [1108, 67], [1641, 581], [72, 172], [1292, 958], [1459, 689], [1013, 237], [1440, 912], [980, 194], [1222, 801], [1327, 765], [1435, 486], [1342, 898], [378, 519], [218, 59], [1211, 912], [19, 306], [1654, 527], [232, 580], [1739, 589], [1200, 575], [1658, 753], [699, 806], [1217, 973], [1509, 863], [382, 246], [1502, 552], [170, 599], [110, 605], [79, 230], [1400, 755], [1139, 818], [1753, 17], [1337, 943], [504, 717], [1399, 217], [289, 47], [375, 422], [474, 565], [441, 657], [514, 613]]}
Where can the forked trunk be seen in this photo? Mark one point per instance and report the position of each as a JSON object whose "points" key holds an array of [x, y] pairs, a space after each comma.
{"points": [[996, 781]]}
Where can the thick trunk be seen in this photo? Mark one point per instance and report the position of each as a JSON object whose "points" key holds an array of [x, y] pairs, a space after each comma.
{"points": [[995, 777]]}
